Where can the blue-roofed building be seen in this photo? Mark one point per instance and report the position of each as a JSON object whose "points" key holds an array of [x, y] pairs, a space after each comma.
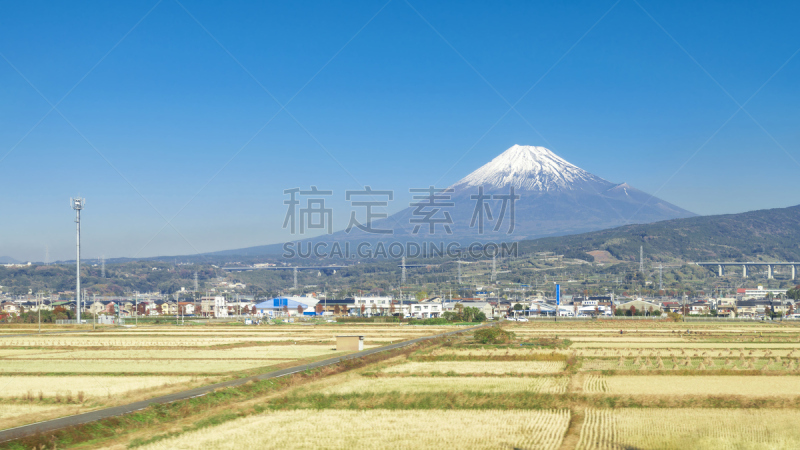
{"points": [[276, 306]]}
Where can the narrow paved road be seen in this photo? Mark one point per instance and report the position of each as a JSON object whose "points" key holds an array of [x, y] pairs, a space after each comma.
{"points": [[80, 419]]}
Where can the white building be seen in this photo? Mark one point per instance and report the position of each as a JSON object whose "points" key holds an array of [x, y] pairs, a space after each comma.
{"points": [[220, 307], [375, 305], [760, 292], [425, 310]]}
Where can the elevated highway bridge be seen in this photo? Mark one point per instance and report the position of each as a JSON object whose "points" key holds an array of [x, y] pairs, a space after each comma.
{"points": [[744, 265]]}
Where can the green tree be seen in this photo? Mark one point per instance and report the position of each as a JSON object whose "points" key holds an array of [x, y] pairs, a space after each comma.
{"points": [[472, 314]]}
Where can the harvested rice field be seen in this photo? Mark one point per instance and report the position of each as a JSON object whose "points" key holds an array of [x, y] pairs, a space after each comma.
{"points": [[688, 345], [15, 410], [385, 430], [548, 385], [20, 386], [78, 372], [479, 367], [689, 428], [589, 385], [668, 385], [495, 352], [114, 366], [244, 353]]}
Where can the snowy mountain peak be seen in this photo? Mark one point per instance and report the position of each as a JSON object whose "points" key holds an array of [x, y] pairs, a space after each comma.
{"points": [[530, 168]]}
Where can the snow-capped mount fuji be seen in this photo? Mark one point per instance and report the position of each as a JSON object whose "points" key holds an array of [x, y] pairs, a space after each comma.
{"points": [[556, 197], [530, 168]]}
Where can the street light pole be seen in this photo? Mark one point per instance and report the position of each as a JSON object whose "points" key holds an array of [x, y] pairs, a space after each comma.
{"points": [[77, 205]]}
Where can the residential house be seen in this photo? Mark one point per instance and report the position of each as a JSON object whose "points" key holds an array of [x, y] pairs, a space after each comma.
{"points": [[484, 307], [639, 305], [10, 308], [425, 310]]}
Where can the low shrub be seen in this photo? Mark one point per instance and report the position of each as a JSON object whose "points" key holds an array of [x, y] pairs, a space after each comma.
{"points": [[493, 335]]}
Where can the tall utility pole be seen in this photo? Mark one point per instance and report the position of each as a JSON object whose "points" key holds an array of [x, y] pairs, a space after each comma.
{"points": [[103, 266], [641, 259], [136, 306], [403, 270], [77, 205]]}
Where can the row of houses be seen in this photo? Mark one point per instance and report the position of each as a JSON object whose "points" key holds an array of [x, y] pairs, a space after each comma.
{"points": [[216, 306], [219, 306]]}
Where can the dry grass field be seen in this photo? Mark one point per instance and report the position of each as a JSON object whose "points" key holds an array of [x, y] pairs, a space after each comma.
{"points": [[381, 429]]}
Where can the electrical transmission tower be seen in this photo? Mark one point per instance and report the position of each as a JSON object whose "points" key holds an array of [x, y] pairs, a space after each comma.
{"points": [[403, 270], [195, 281], [494, 267], [103, 266], [660, 285]]}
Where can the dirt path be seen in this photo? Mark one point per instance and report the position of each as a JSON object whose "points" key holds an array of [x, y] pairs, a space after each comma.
{"points": [[574, 431]]}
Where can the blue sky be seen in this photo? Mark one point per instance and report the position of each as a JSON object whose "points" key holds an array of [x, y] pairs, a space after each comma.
{"points": [[177, 116]]}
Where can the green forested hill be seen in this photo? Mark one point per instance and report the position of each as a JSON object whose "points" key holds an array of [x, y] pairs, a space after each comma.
{"points": [[771, 234]]}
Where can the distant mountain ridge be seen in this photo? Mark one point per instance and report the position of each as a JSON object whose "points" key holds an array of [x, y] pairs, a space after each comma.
{"points": [[763, 235]]}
